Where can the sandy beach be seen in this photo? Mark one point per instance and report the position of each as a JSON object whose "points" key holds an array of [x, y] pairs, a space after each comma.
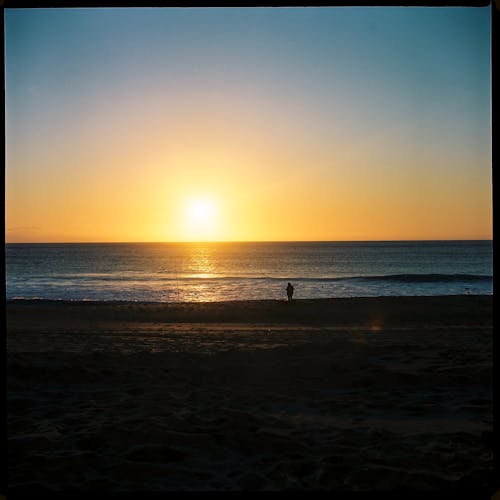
{"points": [[379, 394]]}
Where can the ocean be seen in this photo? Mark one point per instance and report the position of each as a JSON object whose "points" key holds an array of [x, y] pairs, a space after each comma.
{"points": [[196, 272]]}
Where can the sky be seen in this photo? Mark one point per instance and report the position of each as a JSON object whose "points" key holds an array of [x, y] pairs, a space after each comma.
{"points": [[248, 124]]}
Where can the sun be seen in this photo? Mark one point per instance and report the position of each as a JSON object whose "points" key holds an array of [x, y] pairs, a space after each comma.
{"points": [[201, 211], [201, 219]]}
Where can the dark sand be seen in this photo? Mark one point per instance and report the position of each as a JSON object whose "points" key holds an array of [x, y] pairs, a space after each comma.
{"points": [[338, 394]]}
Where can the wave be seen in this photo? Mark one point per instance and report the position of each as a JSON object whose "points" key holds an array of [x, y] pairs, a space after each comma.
{"points": [[430, 278], [406, 278], [399, 278]]}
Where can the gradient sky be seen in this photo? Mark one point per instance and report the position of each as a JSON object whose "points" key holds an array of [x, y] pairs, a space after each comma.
{"points": [[334, 123]]}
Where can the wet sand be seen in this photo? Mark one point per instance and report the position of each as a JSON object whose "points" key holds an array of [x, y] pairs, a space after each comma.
{"points": [[338, 394]]}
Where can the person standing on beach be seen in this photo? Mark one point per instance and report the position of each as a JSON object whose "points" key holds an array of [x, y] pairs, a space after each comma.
{"points": [[289, 291]]}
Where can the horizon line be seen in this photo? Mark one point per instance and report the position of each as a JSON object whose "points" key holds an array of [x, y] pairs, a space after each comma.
{"points": [[239, 241]]}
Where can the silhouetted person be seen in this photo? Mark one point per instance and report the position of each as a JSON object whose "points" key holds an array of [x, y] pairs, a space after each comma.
{"points": [[289, 291]]}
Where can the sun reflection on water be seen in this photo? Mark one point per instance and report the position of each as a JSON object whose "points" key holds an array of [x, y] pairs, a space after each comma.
{"points": [[202, 265]]}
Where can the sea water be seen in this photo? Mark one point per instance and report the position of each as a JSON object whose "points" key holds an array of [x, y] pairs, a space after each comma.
{"points": [[178, 272]]}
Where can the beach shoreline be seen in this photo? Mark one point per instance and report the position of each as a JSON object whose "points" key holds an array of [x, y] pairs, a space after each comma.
{"points": [[391, 393], [339, 311]]}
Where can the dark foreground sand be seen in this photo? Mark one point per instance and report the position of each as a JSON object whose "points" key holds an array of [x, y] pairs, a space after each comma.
{"points": [[340, 394]]}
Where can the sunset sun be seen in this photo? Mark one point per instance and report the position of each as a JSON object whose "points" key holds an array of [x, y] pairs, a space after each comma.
{"points": [[201, 219], [201, 211]]}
